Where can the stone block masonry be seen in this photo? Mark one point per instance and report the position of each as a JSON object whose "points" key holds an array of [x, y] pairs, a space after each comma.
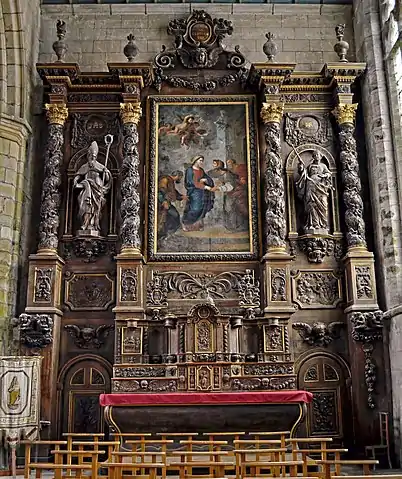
{"points": [[96, 34]]}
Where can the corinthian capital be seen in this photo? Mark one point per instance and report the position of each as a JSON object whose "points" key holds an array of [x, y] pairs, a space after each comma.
{"points": [[345, 113], [272, 112], [130, 112], [56, 113]]}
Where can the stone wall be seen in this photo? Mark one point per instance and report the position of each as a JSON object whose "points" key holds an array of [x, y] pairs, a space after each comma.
{"points": [[19, 44], [96, 34]]}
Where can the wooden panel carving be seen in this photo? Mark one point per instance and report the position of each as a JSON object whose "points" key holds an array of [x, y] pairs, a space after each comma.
{"points": [[313, 289], [89, 291]]}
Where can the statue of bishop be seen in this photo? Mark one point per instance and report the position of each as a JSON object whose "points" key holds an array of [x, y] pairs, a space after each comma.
{"points": [[94, 180]]}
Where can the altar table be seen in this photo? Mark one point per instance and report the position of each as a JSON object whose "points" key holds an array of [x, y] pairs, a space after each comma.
{"points": [[206, 412]]}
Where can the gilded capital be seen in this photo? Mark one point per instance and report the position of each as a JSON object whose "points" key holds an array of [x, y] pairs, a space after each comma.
{"points": [[130, 112], [56, 113], [272, 112], [345, 113]]}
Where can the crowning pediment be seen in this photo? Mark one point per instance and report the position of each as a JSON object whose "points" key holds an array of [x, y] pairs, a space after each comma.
{"points": [[198, 44]]}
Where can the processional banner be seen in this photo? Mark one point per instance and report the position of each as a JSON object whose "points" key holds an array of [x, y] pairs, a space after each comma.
{"points": [[19, 397]]}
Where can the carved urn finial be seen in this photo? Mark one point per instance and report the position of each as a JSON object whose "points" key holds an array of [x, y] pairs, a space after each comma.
{"points": [[270, 48], [60, 46], [341, 47], [130, 50]]}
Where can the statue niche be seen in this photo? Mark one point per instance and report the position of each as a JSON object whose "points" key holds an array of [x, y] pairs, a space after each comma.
{"points": [[313, 202], [91, 192]]}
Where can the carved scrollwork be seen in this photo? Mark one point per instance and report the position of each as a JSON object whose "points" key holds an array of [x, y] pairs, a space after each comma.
{"points": [[198, 43], [324, 412], [364, 285], [278, 284], [367, 329], [249, 294], [129, 282], [140, 372], [88, 337], [36, 330], [43, 284], [157, 291], [318, 334]]}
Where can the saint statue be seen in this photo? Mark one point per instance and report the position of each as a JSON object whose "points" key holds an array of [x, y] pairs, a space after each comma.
{"points": [[94, 180], [313, 186], [14, 394]]}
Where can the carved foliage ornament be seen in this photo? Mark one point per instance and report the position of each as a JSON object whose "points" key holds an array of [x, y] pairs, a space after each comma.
{"points": [[36, 330], [301, 129], [43, 284], [367, 329], [318, 334], [345, 113], [130, 113], [130, 181], [355, 227], [88, 249], [50, 200], [275, 217], [364, 285], [249, 291], [316, 289], [157, 291], [316, 249], [278, 284], [88, 337], [56, 113], [198, 43]]}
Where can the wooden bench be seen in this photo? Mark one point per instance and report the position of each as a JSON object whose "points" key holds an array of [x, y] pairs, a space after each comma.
{"points": [[58, 469], [28, 446], [116, 469], [70, 454], [195, 459], [276, 468], [282, 435], [274, 455], [146, 444], [307, 461], [326, 466]]}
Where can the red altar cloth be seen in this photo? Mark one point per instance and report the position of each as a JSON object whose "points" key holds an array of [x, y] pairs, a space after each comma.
{"points": [[171, 399]]}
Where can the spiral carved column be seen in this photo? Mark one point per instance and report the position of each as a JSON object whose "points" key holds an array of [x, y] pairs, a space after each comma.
{"points": [[130, 181], [274, 193], [50, 203], [354, 220]]}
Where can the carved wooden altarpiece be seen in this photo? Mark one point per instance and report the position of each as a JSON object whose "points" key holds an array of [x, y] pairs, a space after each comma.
{"points": [[279, 176]]}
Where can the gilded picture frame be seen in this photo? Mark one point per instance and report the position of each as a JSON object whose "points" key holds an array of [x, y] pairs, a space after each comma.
{"points": [[202, 178]]}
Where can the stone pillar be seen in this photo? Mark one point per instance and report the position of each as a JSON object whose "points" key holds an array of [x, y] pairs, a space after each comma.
{"points": [[130, 302], [45, 267], [364, 318], [277, 301]]}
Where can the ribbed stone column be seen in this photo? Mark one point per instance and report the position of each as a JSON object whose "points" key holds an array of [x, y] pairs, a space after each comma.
{"points": [[274, 187], [130, 180], [50, 203]]}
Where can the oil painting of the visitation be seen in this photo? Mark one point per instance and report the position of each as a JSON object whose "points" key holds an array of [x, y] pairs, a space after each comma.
{"points": [[203, 178]]}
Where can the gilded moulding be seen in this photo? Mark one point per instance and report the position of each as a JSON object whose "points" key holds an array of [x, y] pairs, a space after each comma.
{"points": [[130, 112], [272, 112], [345, 113], [56, 113]]}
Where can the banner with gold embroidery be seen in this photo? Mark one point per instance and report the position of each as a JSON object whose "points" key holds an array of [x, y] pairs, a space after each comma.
{"points": [[19, 397]]}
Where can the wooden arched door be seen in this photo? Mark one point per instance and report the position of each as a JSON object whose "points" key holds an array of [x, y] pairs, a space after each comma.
{"points": [[330, 413], [83, 382]]}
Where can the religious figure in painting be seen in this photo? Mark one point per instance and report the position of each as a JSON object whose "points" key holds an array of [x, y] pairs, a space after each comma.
{"points": [[168, 216], [199, 186], [188, 130], [14, 394], [94, 180], [313, 186]]}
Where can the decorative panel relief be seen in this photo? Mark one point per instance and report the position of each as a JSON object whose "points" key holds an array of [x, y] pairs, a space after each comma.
{"points": [[89, 291], [316, 289]]}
